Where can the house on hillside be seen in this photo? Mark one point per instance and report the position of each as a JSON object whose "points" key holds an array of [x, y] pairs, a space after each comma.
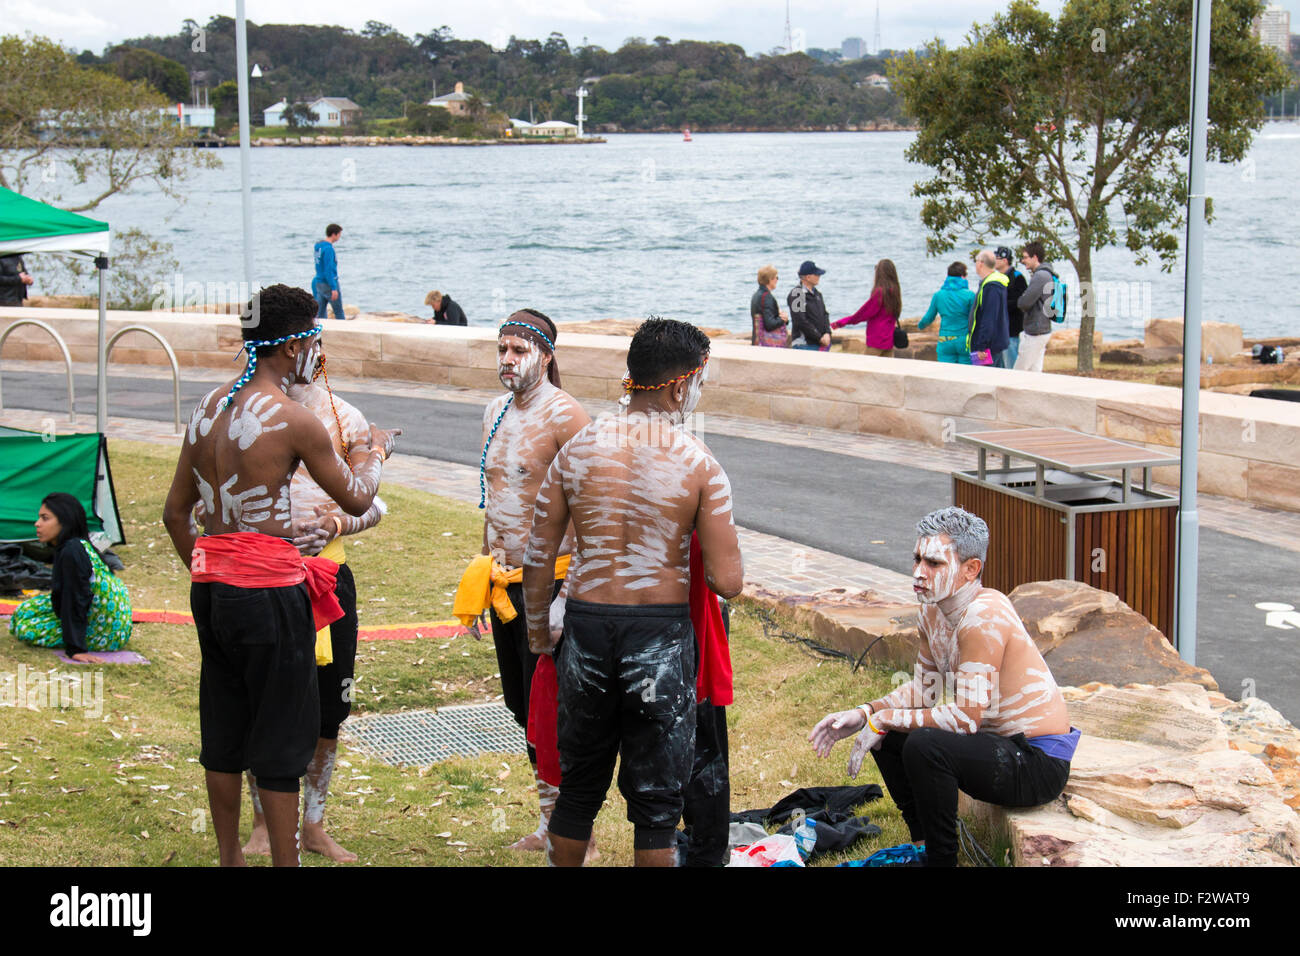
{"points": [[273, 115], [455, 102], [551, 128], [335, 111]]}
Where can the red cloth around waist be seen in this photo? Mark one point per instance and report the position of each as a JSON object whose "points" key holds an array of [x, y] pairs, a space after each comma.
{"points": [[245, 559], [713, 680], [543, 719]]}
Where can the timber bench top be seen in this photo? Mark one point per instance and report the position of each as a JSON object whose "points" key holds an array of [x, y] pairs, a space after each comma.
{"points": [[1066, 450]]}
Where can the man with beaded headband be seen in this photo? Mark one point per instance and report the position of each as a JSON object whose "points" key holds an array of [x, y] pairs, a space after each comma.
{"points": [[982, 713], [522, 432], [634, 485], [257, 603]]}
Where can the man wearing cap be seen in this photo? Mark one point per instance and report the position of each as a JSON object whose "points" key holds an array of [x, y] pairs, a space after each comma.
{"points": [[1015, 288], [808, 316], [523, 431]]}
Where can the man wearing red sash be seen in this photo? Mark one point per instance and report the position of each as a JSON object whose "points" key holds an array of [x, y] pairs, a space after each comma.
{"points": [[257, 602]]}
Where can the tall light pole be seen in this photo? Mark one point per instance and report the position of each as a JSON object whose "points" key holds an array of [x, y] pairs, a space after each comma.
{"points": [[1188, 517], [245, 178], [582, 115]]}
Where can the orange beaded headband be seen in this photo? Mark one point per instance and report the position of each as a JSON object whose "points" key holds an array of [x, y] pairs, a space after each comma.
{"points": [[631, 386]]}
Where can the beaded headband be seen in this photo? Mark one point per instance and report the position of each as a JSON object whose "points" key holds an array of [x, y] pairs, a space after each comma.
{"points": [[545, 338], [251, 347], [631, 386]]}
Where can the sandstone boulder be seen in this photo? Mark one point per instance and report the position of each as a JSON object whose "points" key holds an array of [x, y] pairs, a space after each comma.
{"points": [[1155, 782], [1086, 634], [1219, 340], [853, 622], [1066, 341]]}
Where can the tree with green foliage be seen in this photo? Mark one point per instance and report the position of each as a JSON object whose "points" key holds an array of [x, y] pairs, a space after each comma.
{"points": [[165, 75], [299, 116], [425, 120], [1074, 131], [64, 125]]}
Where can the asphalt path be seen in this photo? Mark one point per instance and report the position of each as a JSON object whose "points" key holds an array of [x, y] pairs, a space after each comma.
{"points": [[846, 505]]}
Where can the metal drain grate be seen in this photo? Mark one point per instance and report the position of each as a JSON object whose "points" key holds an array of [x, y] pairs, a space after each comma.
{"points": [[424, 737]]}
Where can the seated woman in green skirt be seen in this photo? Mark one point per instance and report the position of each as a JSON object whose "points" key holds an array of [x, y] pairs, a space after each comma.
{"points": [[87, 608]]}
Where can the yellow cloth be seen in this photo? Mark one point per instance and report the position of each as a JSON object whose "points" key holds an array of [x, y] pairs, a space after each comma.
{"points": [[324, 649], [484, 582]]}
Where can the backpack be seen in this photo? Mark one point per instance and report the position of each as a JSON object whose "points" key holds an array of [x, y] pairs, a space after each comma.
{"points": [[1060, 300]]}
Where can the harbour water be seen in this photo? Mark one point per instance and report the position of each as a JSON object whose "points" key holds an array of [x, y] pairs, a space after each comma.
{"points": [[649, 224]]}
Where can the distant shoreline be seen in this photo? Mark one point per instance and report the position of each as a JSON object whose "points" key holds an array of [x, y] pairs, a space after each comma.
{"points": [[326, 140]]}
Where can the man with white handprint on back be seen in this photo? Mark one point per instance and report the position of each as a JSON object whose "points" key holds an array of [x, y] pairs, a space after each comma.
{"points": [[257, 603], [982, 713]]}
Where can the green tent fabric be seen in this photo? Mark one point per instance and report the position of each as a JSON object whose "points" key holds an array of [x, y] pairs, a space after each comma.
{"points": [[30, 226], [32, 466]]}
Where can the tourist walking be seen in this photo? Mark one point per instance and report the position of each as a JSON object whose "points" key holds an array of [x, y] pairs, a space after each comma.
{"points": [[880, 311], [952, 303], [325, 284]]}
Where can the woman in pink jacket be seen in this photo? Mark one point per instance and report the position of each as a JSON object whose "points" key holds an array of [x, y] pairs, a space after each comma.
{"points": [[880, 312]]}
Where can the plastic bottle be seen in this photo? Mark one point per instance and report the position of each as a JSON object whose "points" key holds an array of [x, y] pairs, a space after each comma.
{"points": [[805, 837]]}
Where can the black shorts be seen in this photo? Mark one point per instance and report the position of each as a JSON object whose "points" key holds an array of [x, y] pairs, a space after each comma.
{"points": [[259, 709], [627, 690], [336, 680]]}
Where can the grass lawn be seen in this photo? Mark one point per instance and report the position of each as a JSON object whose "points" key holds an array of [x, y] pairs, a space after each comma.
{"points": [[123, 786]]}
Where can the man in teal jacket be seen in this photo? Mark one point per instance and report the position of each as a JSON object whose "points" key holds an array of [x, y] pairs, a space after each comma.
{"points": [[952, 303]]}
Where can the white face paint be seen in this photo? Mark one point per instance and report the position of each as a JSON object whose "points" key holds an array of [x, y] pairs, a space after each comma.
{"points": [[935, 569], [519, 363], [305, 366], [694, 389]]}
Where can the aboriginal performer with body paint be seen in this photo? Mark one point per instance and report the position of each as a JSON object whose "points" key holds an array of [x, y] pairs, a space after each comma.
{"points": [[634, 484], [319, 526], [257, 602], [522, 432], [982, 713]]}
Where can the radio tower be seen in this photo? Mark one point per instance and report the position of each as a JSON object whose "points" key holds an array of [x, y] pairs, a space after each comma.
{"points": [[789, 37], [875, 40]]}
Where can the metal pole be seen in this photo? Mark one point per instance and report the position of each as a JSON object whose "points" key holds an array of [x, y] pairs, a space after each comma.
{"points": [[101, 358], [246, 183], [1188, 518]]}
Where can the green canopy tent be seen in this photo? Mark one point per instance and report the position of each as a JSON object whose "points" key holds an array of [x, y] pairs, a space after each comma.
{"points": [[32, 465], [30, 226]]}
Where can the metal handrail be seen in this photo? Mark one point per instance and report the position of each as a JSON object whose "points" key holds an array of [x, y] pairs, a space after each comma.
{"points": [[67, 361], [171, 357]]}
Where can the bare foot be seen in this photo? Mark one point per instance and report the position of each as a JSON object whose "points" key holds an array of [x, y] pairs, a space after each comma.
{"points": [[533, 843], [87, 659], [316, 840], [259, 844], [592, 854]]}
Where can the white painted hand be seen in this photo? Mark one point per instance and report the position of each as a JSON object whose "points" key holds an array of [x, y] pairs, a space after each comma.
{"points": [[557, 620], [867, 740], [835, 727]]}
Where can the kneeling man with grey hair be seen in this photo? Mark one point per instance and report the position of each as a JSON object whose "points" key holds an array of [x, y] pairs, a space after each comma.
{"points": [[981, 714]]}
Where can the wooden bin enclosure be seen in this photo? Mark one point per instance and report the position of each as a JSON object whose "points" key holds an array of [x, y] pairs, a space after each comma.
{"points": [[1056, 518]]}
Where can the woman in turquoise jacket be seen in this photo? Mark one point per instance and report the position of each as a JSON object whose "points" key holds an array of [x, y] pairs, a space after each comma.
{"points": [[952, 303]]}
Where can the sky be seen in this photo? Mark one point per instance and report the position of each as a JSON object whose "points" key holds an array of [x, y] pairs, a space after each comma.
{"points": [[757, 25]]}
